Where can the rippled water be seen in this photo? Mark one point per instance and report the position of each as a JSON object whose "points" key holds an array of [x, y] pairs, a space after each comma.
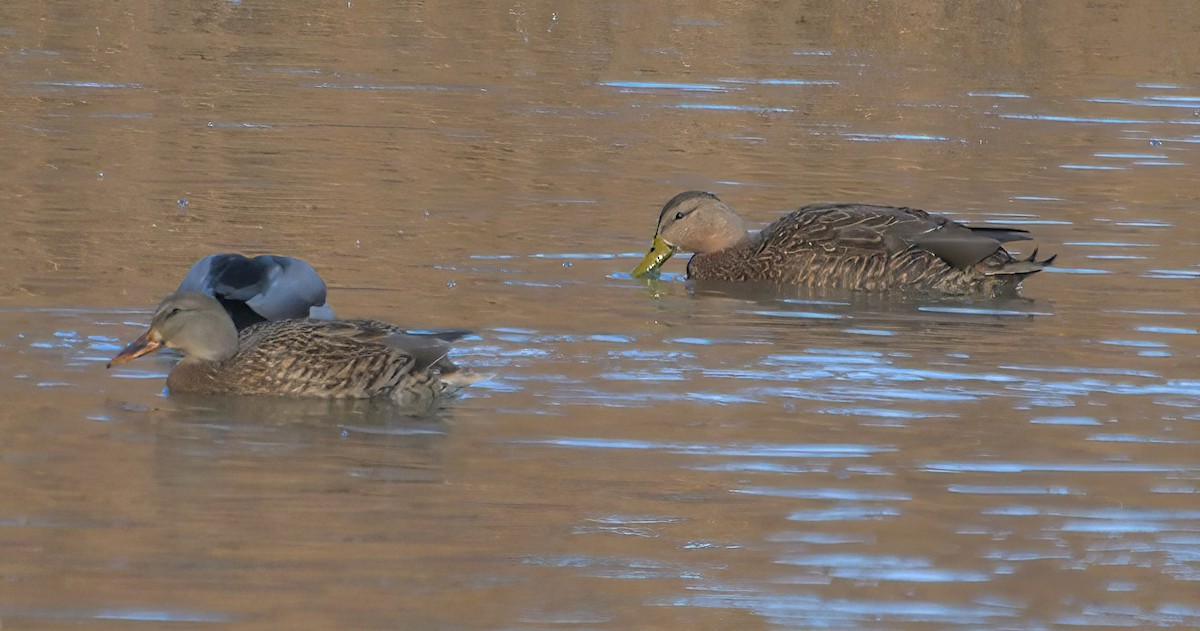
{"points": [[650, 455]]}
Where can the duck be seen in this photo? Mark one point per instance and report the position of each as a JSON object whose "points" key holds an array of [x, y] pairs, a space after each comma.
{"points": [[266, 287], [341, 359], [840, 246]]}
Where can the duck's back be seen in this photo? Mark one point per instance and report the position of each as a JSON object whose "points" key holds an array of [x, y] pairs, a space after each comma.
{"points": [[317, 358], [861, 246]]}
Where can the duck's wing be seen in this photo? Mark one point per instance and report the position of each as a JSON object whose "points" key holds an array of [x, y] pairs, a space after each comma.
{"points": [[837, 228], [962, 246], [324, 357], [427, 348], [283, 287], [203, 273], [896, 230], [274, 287]]}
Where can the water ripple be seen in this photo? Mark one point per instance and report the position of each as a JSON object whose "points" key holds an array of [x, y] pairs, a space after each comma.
{"points": [[654, 85], [826, 494], [811, 611], [1101, 120], [1078, 467], [90, 84], [845, 513], [764, 450]]}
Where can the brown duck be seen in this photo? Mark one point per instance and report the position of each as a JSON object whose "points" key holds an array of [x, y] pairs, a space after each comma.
{"points": [[844, 246], [357, 359]]}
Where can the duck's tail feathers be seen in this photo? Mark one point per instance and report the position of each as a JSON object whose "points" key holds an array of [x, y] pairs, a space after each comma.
{"points": [[1003, 235], [1024, 267]]}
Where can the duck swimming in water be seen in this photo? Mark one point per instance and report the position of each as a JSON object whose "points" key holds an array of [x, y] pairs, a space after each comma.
{"points": [[843, 246], [358, 359]]}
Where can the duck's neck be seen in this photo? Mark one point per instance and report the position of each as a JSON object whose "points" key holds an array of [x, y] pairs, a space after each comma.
{"points": [[220, 345], [204, 365], [729, 263], [726, 231], [195, 375]]}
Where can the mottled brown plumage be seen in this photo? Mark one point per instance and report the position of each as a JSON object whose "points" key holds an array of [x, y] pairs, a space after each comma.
{"points": [[303, 358], [845, 246]]}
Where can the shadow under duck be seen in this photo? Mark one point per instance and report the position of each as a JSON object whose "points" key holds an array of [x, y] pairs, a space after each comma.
{"points": [[358, 359], [266, 287], [840, 246]]}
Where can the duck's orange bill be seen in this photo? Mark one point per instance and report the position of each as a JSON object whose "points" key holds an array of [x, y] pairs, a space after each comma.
{"points": [[136, 349]]}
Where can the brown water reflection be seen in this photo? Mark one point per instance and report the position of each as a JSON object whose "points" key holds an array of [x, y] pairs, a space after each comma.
{"points": [[650, 456]]}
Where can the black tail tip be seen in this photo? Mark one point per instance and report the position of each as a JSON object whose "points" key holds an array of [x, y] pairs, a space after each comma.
{"points": [[1032, 258]]}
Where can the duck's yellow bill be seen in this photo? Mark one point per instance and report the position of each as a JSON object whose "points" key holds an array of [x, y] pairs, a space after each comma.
{"points": [[658, 254]]}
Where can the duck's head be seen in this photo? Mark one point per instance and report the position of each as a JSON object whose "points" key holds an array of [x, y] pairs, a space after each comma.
{"points": [[191, 323], [693, 221]]}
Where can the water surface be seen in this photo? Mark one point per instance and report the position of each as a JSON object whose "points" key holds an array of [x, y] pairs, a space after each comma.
{"points": [[649, 456]]}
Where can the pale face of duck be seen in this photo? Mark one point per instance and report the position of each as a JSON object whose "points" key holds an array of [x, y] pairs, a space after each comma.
{"points": [[692, 221], [191, 323]]}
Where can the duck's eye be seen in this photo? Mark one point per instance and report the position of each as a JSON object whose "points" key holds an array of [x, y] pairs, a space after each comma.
{"points": [[678, 216], [173, 311]]}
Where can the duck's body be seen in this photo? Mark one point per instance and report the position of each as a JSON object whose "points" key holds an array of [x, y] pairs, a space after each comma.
{"points": [[266, 287], [359, 359], [339, 359], [842, 246]]}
